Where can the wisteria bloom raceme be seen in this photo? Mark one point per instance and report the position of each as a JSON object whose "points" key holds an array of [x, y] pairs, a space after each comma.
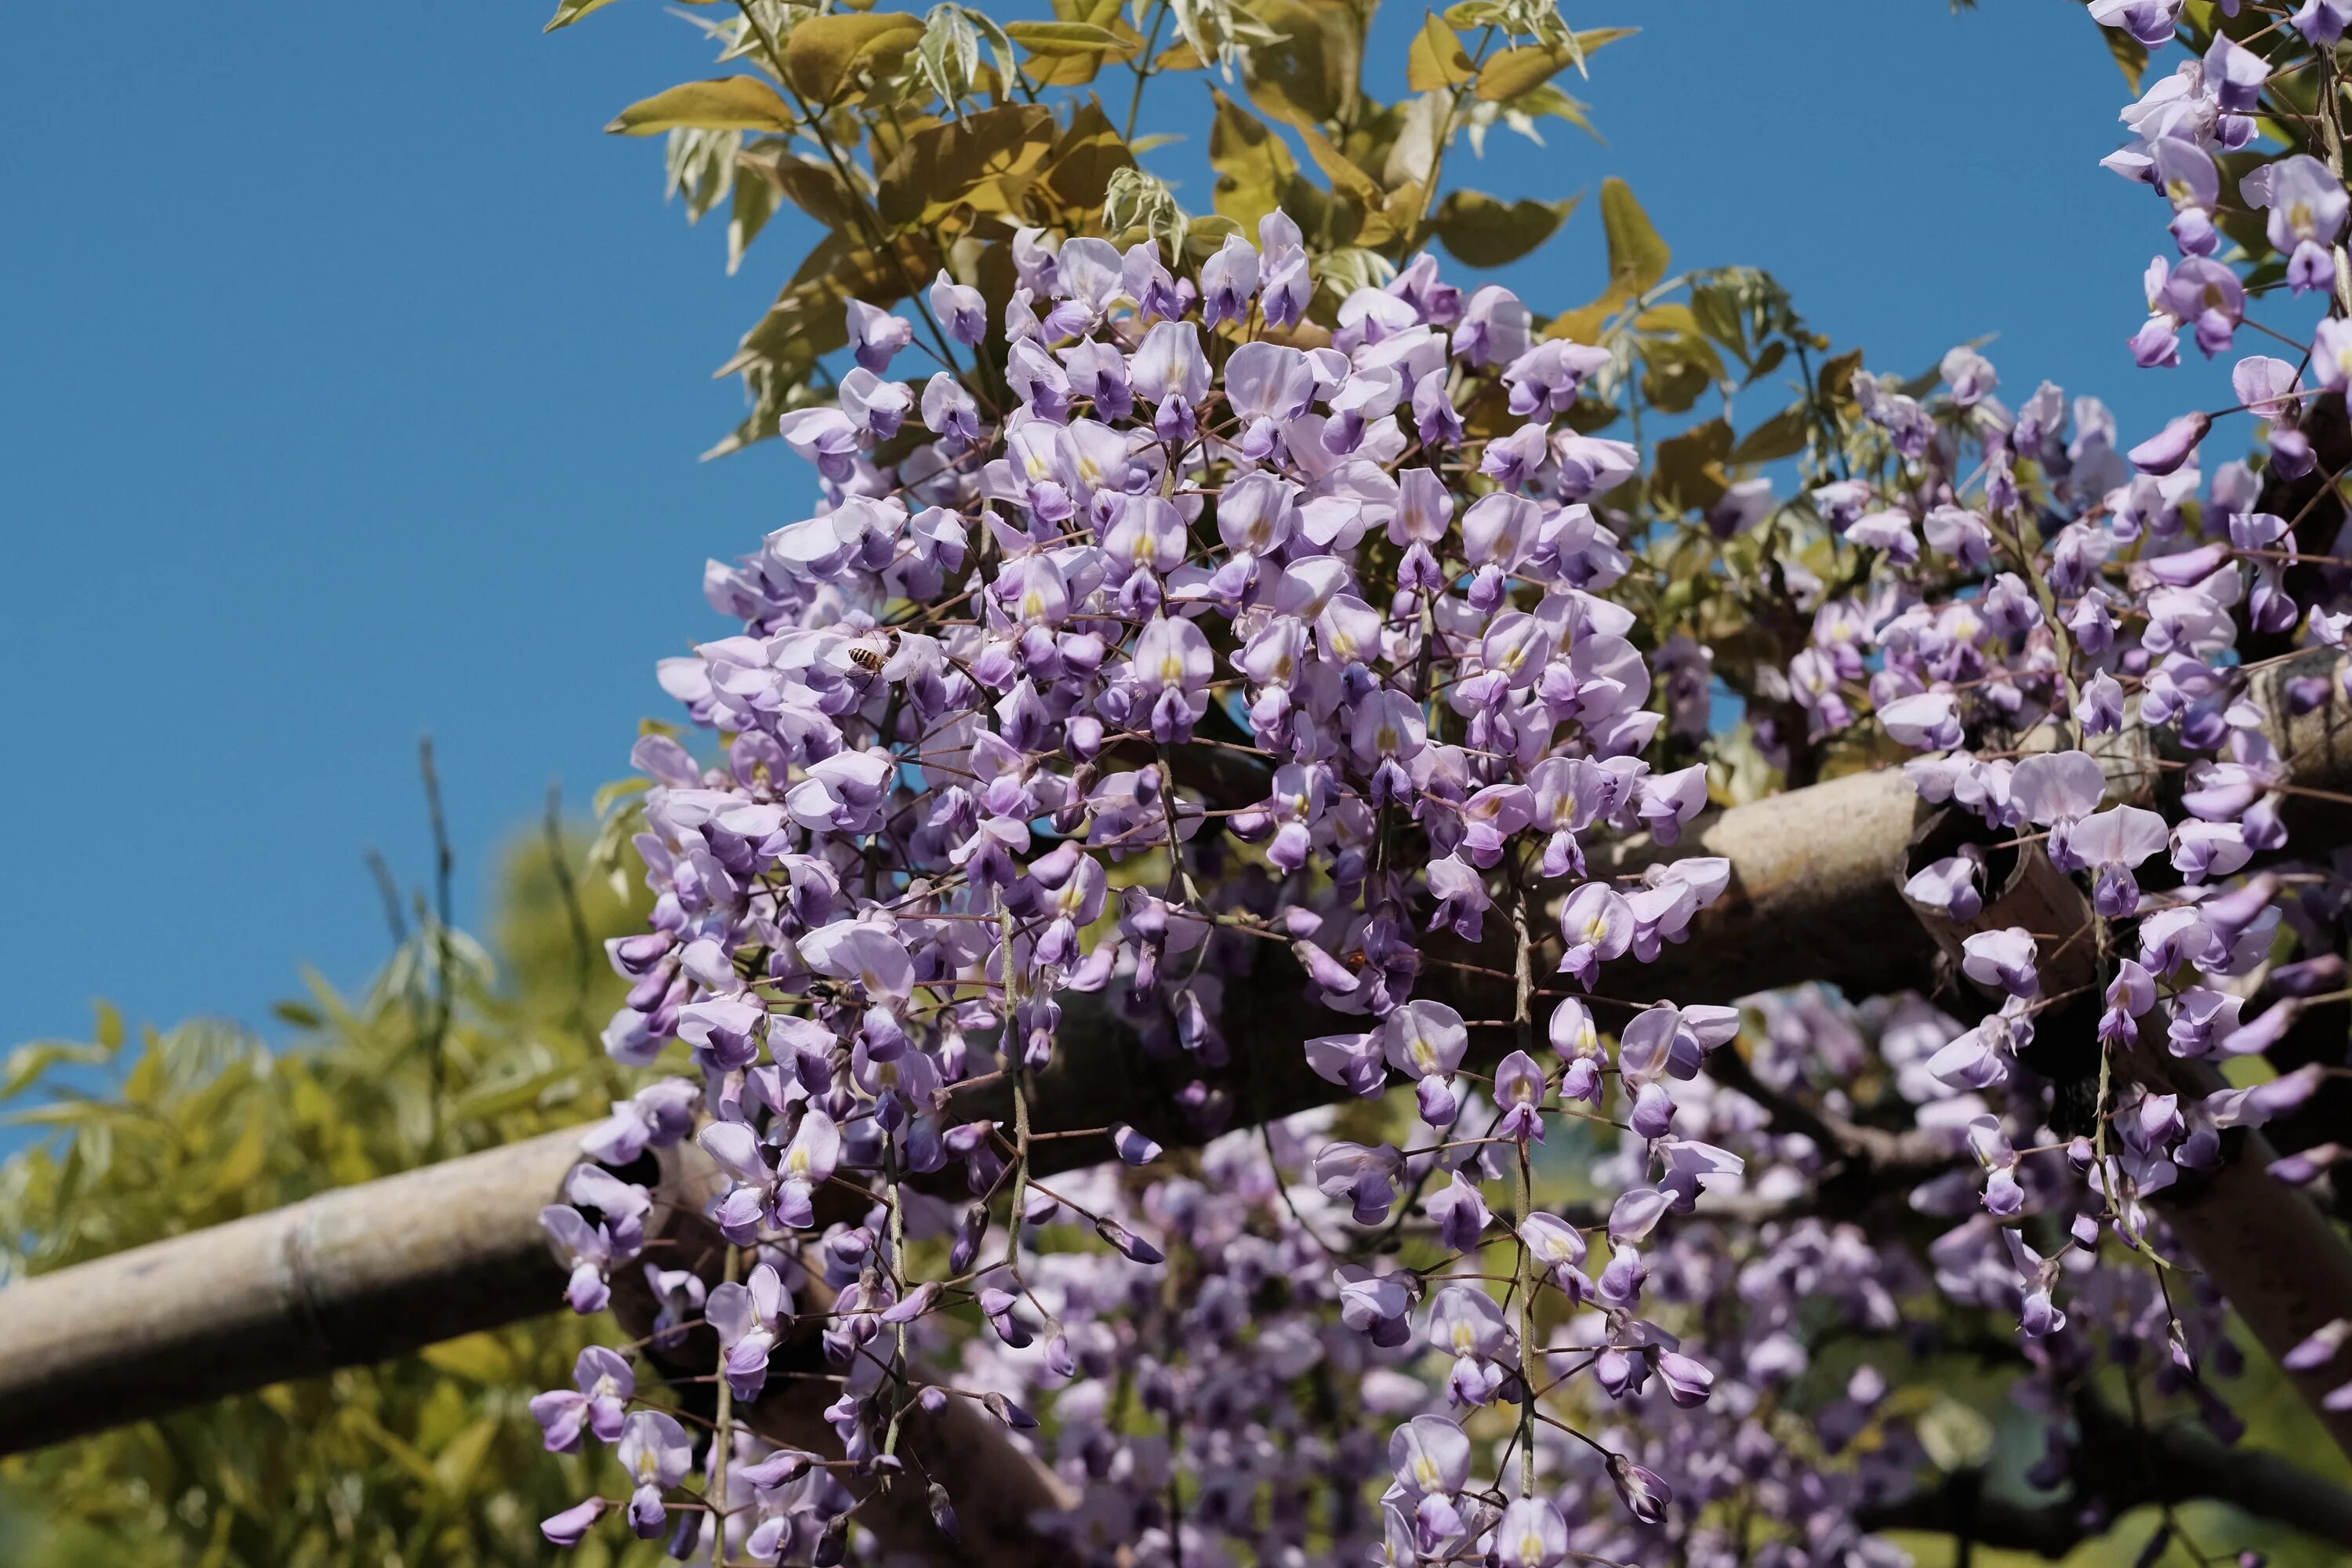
{"points": [[1211, 639]]}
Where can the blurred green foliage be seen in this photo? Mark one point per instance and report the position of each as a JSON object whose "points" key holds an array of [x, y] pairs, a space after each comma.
{"points": [[432, 1459]]}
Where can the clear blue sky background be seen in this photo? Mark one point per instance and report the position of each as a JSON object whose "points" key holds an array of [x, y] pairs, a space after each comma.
{"points": [[351, 384]]}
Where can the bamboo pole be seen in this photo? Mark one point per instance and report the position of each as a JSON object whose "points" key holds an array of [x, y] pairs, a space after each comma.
{"points": [[345, 1277]]}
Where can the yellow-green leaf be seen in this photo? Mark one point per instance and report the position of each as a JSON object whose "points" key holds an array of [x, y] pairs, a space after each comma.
{"points": [[1550, 99], [1436, 60], [1529, 65], [28, 1063], [1076, 67], [977, 159], [1637, 257], [1344, 175], [1519, 70], [459, 1460], [481, 1357], [1782, 435], [730, 103], [1689, 476], [1079, 170], [1592, 39], [824, 51], [1309, 75], [1253, 165], [571, 11], [1070, 38], [2131, 55], [1485, 232], [245, 1159], [504, 1097], [812, 184]]}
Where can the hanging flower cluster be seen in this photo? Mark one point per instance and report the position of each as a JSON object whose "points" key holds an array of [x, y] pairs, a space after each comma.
{"points": [[955, 790], [1161, 646]]}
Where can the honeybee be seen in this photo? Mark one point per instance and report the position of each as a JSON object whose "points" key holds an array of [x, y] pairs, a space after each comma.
{"points": [[872, 659]]}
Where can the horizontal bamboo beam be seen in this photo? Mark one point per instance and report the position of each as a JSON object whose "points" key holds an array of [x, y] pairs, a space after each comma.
{"points": [[342, 1279]]}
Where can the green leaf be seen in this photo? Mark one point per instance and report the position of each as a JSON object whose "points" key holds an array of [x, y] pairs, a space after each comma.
{"points": [[1521, 70], [1836, 382], [812, 184], [1070, 38], [823, 52], [457, 1463], [1485, 232], [1717, 312], [1307, 73], [1346, 176], [1080, 167], [1592, 40], [478, 1357], [571, 11], [2131, 55], [1253, 167], [1689, 476], [1437, 59], [491, 1101], [729, 103], [1637, 257], [981, 158], [1782, 435], [243, 1164], [27, 1064], [755, 203], [1955, 1436], [1074, 67], [1547, 101]]}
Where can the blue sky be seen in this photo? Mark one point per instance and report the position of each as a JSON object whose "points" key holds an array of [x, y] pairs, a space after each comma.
{"points": [[352, 385]]}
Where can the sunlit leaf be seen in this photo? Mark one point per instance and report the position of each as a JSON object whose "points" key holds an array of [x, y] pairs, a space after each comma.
{"points": [[1637, 257], [1485, 232], [727, 103], [1688, 472], [245, 1159], [1546, 103], [27, 1064], [1253, 166], [1516, 72], [1436, 58], [1306, 73], [1071, 38], [823, 52], [571, 11], [2130, 55], [1782, 435], [977, 159], [1081, 165]]}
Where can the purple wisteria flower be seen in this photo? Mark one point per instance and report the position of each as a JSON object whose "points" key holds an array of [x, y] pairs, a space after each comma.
{"points": [[1246, 636]]}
